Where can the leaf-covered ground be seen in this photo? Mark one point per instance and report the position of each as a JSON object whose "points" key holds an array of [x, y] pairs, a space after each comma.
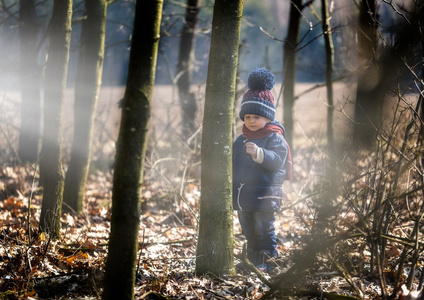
{"points": [[33, 266]]}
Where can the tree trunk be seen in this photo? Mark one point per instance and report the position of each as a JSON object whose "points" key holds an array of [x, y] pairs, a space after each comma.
{"points": [[30, 74], [331, 169], [289, 67], [130, 152], [185, 67], [51, 156], [369, 96], [329, 54], [215, 243], [87, 86]]}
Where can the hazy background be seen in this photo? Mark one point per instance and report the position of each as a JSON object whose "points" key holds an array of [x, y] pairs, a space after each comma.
{"points": [[271, 15]]}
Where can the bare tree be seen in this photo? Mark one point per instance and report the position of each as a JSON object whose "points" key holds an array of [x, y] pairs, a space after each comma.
{"points": [[331, 169], [130, 152], [51, 152], [215, 243], [185, 67], [88, 81], [329, 55], [369, 94], [30, 73], [289, 67]]}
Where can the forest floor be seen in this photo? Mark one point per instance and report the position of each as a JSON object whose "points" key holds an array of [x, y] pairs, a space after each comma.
{"points": [[34, 266]]}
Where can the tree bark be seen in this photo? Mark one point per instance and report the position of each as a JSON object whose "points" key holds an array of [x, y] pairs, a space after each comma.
{"points": [[289, 59], [130, 152], [215, 242], [30, 73], [51, 152], [329, 55], [87, 86], [369, 94], [185, 67], [331, 169]]}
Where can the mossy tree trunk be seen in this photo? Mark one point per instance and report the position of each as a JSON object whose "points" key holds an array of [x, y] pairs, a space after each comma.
{"points": [[185, 68], [215, 242], [130, 152], [87, 86], [51, 152], [289, 67], [30, 73]]}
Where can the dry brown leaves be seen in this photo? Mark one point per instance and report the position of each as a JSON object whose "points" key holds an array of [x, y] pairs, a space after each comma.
{"points": [[32, 266]]}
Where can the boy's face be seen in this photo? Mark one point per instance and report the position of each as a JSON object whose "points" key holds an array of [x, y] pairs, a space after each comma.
{"points": [[255, 122]]}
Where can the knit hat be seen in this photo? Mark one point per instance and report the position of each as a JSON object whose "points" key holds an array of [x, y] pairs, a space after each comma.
{"points": [[258, 100]]}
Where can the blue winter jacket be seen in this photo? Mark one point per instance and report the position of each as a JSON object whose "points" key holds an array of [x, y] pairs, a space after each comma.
{"points": [[258, 187]]}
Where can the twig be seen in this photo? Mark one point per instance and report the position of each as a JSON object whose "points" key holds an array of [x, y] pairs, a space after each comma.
{"points": [[316, 246], [155, 295], [29, 204], [59, 275], [346, 275], [10, 145], [248, 264], [179, 195], [317, 86], [141, 252], [299, 200], [216, 294], [316, 294], [167, 243], [397, 10]]}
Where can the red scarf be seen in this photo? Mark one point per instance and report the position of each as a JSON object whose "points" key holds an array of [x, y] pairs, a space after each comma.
{"points": [[265, 131]]}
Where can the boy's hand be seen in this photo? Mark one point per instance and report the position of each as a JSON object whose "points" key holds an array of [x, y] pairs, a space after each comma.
{"points": [[251, 149]]}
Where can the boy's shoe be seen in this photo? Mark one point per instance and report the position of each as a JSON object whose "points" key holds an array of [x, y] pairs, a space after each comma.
{"points": [[266, 263], [262, 268]]}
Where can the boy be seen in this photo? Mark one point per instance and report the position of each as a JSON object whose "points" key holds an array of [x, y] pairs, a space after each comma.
{"points": [[259, 169]]}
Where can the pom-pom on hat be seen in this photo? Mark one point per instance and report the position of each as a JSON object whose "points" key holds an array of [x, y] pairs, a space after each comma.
{"points": [[258, 99]]}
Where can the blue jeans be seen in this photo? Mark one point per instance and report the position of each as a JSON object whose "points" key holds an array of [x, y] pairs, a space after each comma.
{"points": [[258, 228]]}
